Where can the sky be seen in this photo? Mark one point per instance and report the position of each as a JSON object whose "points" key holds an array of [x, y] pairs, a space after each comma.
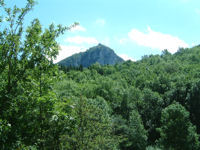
{"points": [[132, 28]]}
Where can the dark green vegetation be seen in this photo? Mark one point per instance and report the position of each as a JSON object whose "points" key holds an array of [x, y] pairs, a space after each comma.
{"points": [[98, 54], [150, 104]]}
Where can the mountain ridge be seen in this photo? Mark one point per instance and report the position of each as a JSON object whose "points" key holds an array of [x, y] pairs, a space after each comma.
{"points": [[98, 54]]}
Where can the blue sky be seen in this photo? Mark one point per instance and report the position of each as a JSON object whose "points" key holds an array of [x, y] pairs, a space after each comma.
{"points": [[133, 28]]}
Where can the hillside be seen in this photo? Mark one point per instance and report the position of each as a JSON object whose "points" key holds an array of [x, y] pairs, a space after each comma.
{"points": [[100, 53], [147, 100], [104, 103]]}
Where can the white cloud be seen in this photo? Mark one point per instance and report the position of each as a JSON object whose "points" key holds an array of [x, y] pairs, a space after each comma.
{"points": [[77, 28], [67, 51], [81, 40], [126, 57], [157, 40], [100, 22]]}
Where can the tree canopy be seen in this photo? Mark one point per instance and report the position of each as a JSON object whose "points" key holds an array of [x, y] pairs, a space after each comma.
{"points": [[149, 104]]}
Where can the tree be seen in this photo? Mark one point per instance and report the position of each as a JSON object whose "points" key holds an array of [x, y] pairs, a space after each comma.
{"points": [[27, 74], [132, 132], [137, 136], [193, 103], [91, 126], [150, 109], [11, 72], [176, 130]]}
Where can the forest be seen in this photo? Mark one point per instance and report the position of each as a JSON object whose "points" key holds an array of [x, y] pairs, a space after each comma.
{"points": [[150, 104]]}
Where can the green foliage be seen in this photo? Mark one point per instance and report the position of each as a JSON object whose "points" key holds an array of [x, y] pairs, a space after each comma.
{"points": [[4, 130], [91, 126], [151, 101], [152, 148], [176, 130], [132, 132], [145, 87], [137, 133], [124, 106], [27, 77], [193, 103]]}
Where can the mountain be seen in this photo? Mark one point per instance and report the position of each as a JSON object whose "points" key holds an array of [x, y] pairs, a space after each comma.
{"points": [[100, 53]]}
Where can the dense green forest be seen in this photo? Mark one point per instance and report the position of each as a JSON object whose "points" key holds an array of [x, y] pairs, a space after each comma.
{"points": [[150, 104]]}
